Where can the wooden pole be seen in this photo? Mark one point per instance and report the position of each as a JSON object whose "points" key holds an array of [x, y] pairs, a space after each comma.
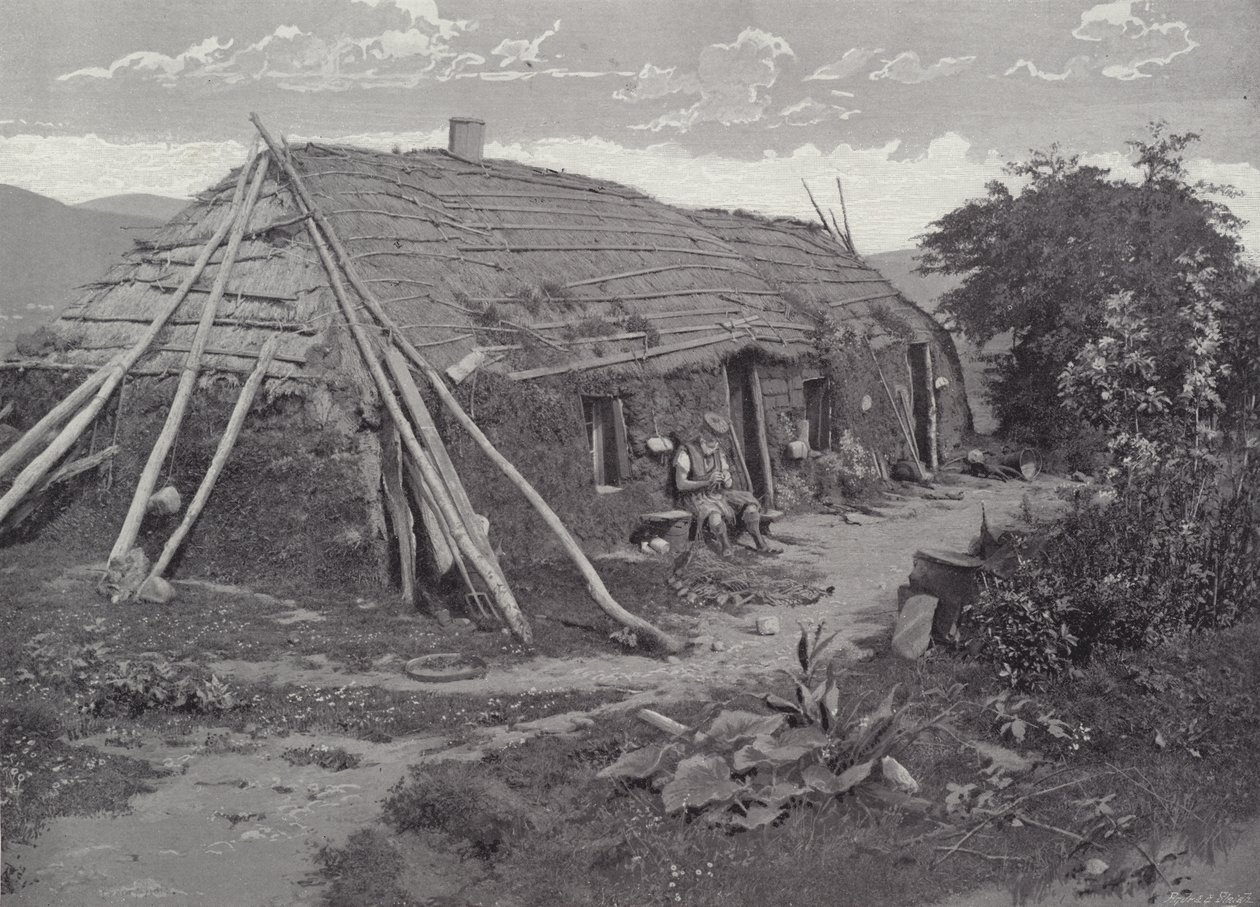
{"points": [[440, 543], [821, 216], [235, 422], [188, 377], [763, 443], [486, 569], [844, 213], [53, 418], [400, 514], [905, 432], [736, 448], [62, 474], [439, 526], [427, 431], [595, 585], [120, 365]]}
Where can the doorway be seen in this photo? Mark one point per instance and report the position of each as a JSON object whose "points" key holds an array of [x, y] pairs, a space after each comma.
{"points": [[748, 421]]}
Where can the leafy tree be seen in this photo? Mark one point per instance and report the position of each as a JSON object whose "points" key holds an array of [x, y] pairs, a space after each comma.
{"points": [[1041, 262]]}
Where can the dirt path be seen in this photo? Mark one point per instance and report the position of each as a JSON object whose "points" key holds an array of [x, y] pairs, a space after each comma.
{"points": [[239, 824]]}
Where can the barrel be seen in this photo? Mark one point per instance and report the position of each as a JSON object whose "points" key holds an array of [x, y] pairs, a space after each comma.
{"points": [[1027, 461]]}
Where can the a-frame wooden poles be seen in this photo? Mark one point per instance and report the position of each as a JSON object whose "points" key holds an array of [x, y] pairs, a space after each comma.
{"points": [[221, 454], [594, 584], [486, 569], [118, 367], [188, 377]]}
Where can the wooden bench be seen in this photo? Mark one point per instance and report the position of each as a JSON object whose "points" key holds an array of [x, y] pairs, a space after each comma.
{"points": [[667, 521]]}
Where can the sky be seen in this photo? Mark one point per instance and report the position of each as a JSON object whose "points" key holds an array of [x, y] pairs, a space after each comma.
{"points": [[914, 105]]}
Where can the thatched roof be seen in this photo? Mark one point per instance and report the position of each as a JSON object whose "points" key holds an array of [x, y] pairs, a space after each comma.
{"points": [[542, 271]]}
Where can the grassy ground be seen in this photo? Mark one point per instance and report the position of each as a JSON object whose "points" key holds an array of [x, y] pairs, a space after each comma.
{"points": [[74, 664], [1139, 757]]}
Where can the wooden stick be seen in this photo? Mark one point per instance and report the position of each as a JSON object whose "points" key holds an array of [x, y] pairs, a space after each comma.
{"points": [[844, 212], [188, 378], [426, 429], [595, 585], [822, 217], [708, 253], [631, 297], [642, 272], [120, 365], [905, 432], [53, 418], [759, 413], [62, 474], [616, 358], [441, 544], [221, 454], [400, 514]]}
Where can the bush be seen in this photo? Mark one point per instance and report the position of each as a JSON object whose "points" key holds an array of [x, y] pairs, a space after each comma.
{"points": [[1173, 552], [364, 873]]}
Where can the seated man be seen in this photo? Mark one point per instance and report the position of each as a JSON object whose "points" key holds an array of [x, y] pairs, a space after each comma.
{"points": [[703, 478]]}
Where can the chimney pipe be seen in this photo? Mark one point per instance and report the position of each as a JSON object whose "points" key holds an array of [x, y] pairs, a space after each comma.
{"points": [[468, 138]]}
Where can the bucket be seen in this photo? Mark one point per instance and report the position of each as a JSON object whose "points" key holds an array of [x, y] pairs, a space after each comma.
{"points": [[1027, 461]]}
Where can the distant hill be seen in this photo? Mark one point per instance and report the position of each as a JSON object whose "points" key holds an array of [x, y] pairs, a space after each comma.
{"points": [[47, 250], [926, 290], [138, 204]]}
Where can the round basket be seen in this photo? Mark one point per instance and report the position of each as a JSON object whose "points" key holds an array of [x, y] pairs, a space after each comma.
{"points": [[445, 667]]}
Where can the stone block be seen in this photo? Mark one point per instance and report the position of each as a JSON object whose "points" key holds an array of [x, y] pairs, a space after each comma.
{"points": [[912, 634]]}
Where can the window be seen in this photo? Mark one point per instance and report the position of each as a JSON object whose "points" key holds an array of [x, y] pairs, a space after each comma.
{"points": [[818, 412], [606, 436]]}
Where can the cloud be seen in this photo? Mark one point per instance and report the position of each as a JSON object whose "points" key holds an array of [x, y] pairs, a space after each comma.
{"points": [[159, 66], [370, 43], [907, 69], [521, 50], [809, 112], [852, 61], [730, 81], [1076, 65], [653, 82], [1127, 44]]}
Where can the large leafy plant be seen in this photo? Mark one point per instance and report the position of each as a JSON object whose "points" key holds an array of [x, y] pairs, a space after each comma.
{"points": [[746, 770]]}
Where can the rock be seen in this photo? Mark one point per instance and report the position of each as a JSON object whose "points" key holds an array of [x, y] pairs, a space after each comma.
{"points": [[659, 545], [505, 632], [156, 590], [165, 502], [913, 631], [442, 616], [462, 622], [1079, 476], [718, 646], [125, 575], [767, 626], [673, 660]]}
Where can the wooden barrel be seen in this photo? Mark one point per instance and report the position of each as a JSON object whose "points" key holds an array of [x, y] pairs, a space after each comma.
{"points": [[953, 577], [1027, 461]]}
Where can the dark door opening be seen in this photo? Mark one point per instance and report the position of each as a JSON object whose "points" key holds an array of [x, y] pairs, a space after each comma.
{"points": [[818, 412], [606, 435], [746, 420]]}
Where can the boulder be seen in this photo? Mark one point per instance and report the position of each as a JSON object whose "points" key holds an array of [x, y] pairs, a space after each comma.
{"points": [[156, 590], [165, 502], [912, 633], [767, 626]]}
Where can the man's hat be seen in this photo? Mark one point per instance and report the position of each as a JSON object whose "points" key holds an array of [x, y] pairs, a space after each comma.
{"points": [[717, 424]]}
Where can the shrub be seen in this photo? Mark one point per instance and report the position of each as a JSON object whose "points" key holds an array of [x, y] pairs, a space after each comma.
{"points": [[1174, 551], [746, 770]]}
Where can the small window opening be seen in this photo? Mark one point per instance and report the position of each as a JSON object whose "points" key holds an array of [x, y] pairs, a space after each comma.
{"points": [[818, 412], [606, 436]]}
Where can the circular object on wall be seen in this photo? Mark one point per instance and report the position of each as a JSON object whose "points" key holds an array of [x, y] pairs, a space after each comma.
{"points": [[866, 403]]}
